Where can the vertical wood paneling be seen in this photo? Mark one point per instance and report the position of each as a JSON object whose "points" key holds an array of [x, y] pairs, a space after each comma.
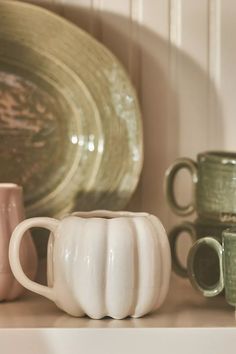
{"points": [[215, 137], [228, 73], [155, 88], [175, 34], [134, 63], [193, 78], [96, 9], [175, 23], [214, 46], [134, 70], [78, 12], [116, 28], [189, 70]]}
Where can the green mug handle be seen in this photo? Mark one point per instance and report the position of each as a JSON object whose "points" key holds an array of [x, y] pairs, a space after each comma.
{"points": [[174, 235], [216, 246], [171, 172]]}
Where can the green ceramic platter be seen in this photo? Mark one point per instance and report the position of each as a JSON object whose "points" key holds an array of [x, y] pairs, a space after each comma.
{"points": [[70, 126]]}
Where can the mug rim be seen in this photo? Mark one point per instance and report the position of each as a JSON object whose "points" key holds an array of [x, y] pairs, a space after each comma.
{"points": [[109, 214], [230, 231], [218, 156]]}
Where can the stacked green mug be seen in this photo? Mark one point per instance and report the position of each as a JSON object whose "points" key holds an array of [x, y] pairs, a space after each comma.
{"points": [[214, 201]]}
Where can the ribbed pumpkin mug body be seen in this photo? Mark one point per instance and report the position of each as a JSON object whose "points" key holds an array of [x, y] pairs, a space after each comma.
{"points": [[102, 263]]}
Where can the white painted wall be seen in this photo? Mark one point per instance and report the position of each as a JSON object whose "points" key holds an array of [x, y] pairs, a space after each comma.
{"points": [[181, 56]]}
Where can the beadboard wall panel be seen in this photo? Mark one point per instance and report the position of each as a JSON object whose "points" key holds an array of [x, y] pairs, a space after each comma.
{"points": [[228, 71], [181, 57], [155, 93]]}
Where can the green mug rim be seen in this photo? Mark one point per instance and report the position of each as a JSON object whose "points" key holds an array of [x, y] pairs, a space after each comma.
{"points": [[217, 288], [230, 231], [218, 156]]}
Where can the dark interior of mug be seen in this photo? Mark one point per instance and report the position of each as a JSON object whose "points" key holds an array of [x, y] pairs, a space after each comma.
{"points": [[206, 267]]}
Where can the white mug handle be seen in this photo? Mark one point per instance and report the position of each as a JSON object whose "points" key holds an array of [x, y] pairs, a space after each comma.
{"points": [[14, 256]]}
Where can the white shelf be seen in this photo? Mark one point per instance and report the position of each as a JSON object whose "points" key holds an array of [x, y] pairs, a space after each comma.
{"points": [[187, 323]]}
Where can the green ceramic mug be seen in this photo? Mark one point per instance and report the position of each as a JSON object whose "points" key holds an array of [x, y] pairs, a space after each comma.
{"points": [[207, 260], [214, 183], [226, 254]]}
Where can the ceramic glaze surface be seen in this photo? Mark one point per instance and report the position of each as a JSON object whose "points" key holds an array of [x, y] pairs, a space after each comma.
{"points": [[216, 197], [226, 254], [206, 262], [214, 182], [11, 214], [69, 114], [102, 263], [31, 124]]}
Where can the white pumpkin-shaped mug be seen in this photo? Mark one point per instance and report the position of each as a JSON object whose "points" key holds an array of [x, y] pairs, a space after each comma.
{"points": [[101, 263]]}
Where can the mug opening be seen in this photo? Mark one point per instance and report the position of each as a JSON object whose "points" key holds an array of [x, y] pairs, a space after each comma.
{"points": [[107, 214], [206, 267]]}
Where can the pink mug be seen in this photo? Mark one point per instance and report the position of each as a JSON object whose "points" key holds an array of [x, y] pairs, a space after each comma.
{"points": [[11, 214]]}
